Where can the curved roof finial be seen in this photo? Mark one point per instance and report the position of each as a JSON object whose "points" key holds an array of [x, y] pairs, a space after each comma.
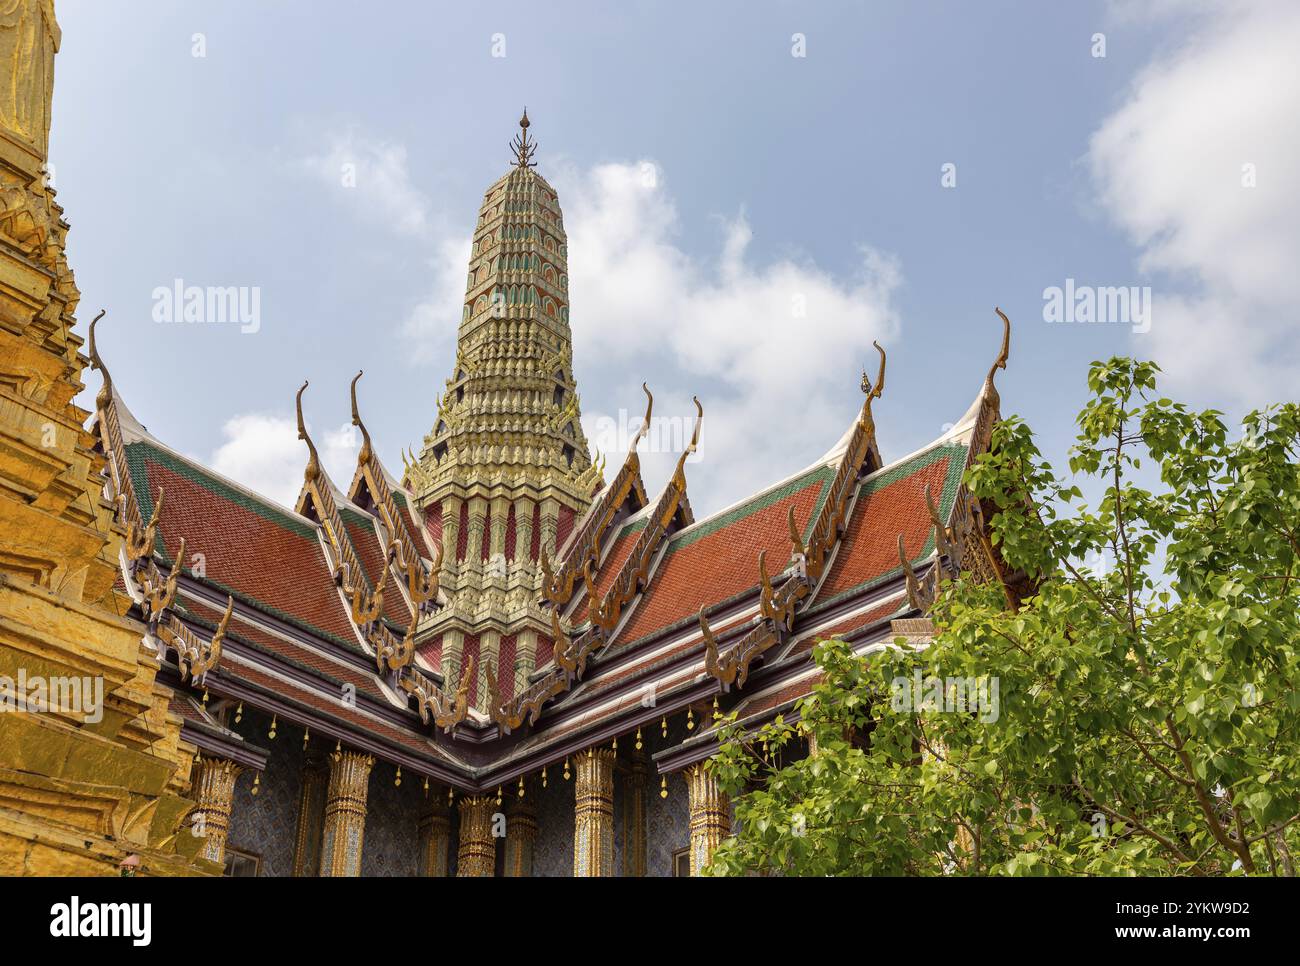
{"points": [[645, 423], [694, 444], [105, 394], [873, 391], [364, 455], [523, 148], [1001, 361], [312, 473]]}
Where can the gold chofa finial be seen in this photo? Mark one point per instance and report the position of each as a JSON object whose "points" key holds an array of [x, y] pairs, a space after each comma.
{"points": [[523, 148]]}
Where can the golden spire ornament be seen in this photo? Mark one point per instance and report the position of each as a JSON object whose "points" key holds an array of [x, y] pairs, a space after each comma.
{"points": [[523, 148]]}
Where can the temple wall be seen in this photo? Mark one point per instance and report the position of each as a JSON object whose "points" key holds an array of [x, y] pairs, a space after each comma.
{"points": [[553, 850], [266, 823], [391, 846], [667, 819]]}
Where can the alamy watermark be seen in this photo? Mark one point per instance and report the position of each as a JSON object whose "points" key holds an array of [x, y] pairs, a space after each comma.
{"points": [[38, 694], [217, 304], [965, 695], [1107, 304], [667, 434]]}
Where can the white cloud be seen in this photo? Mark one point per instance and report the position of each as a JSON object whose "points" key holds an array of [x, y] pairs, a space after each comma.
{"points": [[761, 344], [1169, 169], [372, 175], [430, 327], [262, 452]]}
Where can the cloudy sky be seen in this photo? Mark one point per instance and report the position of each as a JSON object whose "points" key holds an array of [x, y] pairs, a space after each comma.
{"points": [[753, 192]]}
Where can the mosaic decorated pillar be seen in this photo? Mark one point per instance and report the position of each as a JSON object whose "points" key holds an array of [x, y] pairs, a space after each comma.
{"points": [[214, 790], [634, 847], [435, 839], [521, 833], [593, 826], [477, 856], [525, 658], [345, 813], [523, 530], [550, 521], [710, 815], [478, 509], [311, 818], [450, 532]]}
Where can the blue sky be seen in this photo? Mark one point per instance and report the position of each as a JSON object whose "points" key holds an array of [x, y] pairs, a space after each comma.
{"points": [[710, 181]]}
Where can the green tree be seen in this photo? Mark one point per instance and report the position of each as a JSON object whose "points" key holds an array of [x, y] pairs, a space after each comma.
{"points": [[1148, 713]]}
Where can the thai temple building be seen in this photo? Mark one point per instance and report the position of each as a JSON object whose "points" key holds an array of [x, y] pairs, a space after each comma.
{"points": [[502, 658]]}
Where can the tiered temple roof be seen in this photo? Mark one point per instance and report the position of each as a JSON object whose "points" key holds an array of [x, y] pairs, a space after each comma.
{"points": [[502, 607]]}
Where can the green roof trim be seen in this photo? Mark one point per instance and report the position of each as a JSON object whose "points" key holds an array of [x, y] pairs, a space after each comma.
{"points": [[820, 475], [135, 456]]}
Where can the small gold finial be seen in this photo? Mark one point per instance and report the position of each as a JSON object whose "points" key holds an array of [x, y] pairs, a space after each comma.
{"points": [[523, 148]]}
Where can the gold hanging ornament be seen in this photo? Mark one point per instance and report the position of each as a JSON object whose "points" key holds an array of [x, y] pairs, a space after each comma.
{"points": [[239, 713], [205, 697], [521, 786], [638, 739], [397, 782], [306, 737], [616, 744], [257, 783], [543, 776], [498, 794], [690, 719], [566, 769], [663, 787], [271, 735], [663, 725], [716, 713], [426, 786]]}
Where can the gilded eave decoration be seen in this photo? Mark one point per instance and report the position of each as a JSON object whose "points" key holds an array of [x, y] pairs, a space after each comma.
{"points": [[154, 591], [558, 586], [778, 605]]}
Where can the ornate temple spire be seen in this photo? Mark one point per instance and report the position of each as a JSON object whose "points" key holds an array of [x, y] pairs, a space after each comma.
{"points": [[506, 472]]}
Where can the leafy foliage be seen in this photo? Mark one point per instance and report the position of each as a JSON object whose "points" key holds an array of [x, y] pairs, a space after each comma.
{"points": [[1148, 712]]}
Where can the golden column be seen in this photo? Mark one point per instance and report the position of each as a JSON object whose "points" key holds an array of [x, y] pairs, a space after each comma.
{"points": [[710, 815], [521, 833], [478, 847], [214, 790], [593, 820], [311, 818], [435, 839], [345, 813], [634, 857]]}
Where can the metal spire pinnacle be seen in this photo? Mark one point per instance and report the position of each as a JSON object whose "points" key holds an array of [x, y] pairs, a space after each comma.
{"points": [[522, 147]]}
